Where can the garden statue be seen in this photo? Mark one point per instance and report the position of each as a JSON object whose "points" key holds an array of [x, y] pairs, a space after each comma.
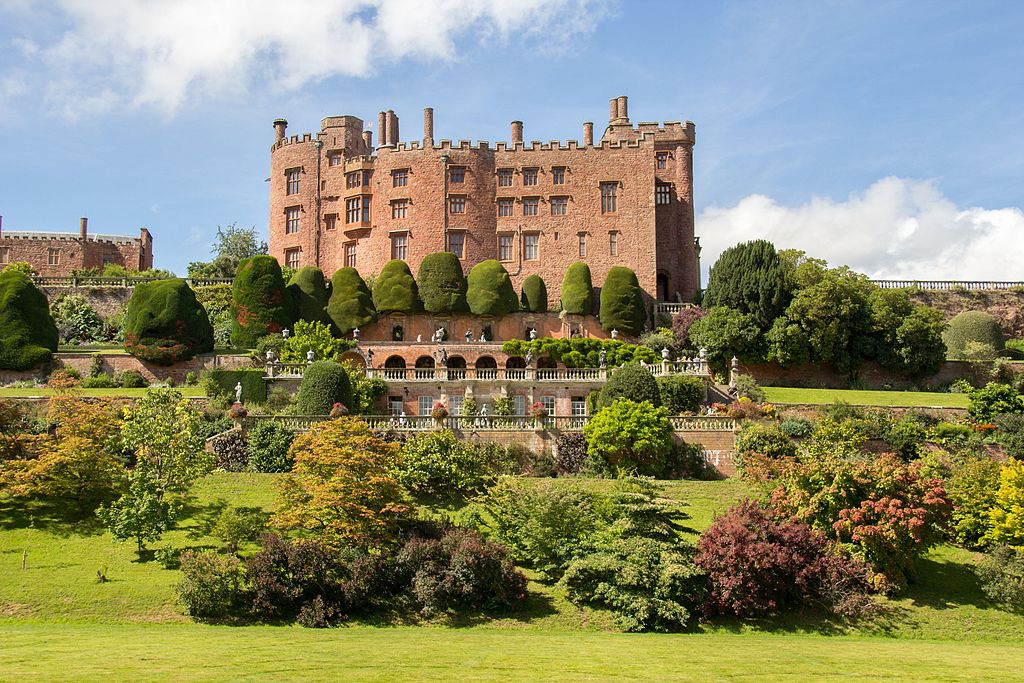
{"points": [[285, 333], [483, 336], [615, 334], [369, 358], [665, 354], [401, 419], [444, 356], [419, 338], [310, 356], [469, 336], [533, 333], [238, 393], [355, 334], [602, 357], [529, 357]]}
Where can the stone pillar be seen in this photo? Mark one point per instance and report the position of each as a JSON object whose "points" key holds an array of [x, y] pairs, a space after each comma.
{"points": [[517, 132], [382, 129], [622, 103], [428, 126], [588, 134], [280, 129]]}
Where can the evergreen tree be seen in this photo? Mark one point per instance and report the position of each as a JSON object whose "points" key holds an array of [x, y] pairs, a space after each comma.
{"points": [[622, 302], [395, 289], [749, 278], [351, 305], [165, 323], [309, 292], [260, 305], [490, 290], [442, 284], [28, 336], [535, 295], [577, 290]]}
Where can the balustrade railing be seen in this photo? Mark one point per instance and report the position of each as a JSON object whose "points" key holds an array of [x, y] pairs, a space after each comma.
{"points": [[124, 282], [485, 423], [948, 285], [696, 368]]}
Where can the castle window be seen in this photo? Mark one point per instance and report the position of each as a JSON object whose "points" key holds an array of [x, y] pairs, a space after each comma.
{"points": [[549, 404], [400, 177], [457, 174], [531, 247], [350, 255], [291, 258], [529, 176], [578, 406], [613, 243], [558, 175], [353, 179], [424, 404], [661, 160], [531, 206], [504, 177], [366, 209], [291, 215], [457, 243], [458, 204], [357, 210], [559, 206], [400, 208], [399, 246], [334, 160], [663, 193], [583, 244], [5, 254], [520, 404], [395, 405], [292, 178], [505, 247], [331, 221], [609, 197], [505, 207]]}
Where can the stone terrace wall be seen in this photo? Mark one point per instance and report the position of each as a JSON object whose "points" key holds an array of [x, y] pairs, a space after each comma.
{"points": [[122, 362], [106, 300], [870, 376], [1006, 306]]}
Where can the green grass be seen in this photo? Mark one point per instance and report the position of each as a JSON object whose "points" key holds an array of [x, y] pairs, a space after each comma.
{"points": [[57, 621], [924, 399], [101, 349], [8, 392]]}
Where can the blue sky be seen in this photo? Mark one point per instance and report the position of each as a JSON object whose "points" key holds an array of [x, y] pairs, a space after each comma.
{"points": [[885, 135]]}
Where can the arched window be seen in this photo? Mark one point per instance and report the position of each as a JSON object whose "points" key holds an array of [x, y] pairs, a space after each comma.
{"points": [[486, 368], [425, 367], [456, 367], [394, 368]]}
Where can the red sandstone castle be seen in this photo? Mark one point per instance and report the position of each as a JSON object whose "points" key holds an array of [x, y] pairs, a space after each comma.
{"points": [[626, 200], [58, 253]]}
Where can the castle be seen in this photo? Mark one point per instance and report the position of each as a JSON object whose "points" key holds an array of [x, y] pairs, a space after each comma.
{"points": [[624, 200], [55, 254]]}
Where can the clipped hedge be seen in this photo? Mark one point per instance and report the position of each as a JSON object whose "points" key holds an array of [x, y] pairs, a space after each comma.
{"points": [[260, 305], [351, 305], [680, 394], [28, 336], [308, 290], [972, 333], [535, 295], [323, 384], [582, 352], [622, 302], [490, 291], [577, 290], [165, 323], [442, 284], [395, 289], [222, 383], [630, 382]]}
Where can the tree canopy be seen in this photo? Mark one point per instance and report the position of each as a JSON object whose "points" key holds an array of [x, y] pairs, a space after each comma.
{"points": [[232, 246], [750, 278]]}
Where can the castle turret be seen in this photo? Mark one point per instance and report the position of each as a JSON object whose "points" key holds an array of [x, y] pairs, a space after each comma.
{"points": [[83, 227]]}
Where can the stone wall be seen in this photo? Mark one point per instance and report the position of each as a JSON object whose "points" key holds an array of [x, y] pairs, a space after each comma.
{"points": [[1006, 306], [115, 363], [869, 376], [106, 300]]}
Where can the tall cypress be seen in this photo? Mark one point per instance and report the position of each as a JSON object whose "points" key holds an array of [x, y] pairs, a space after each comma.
{"points": [[750, 278]]}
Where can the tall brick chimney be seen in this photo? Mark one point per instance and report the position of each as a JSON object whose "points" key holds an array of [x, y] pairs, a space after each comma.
{"points": [[428, 126], [588, 133], [83, 227], [623, 102], [368, 141], [517, 132], [382, 129], [613, 109], [392, 128], [280, 129]]}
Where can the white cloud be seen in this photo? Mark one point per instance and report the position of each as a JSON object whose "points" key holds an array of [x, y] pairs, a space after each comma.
{"points": [[897, 228], [162, 52]]}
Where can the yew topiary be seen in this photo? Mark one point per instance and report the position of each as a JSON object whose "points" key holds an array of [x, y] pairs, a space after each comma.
{"points": [[309, 292], [578, 290], [973, 335], [490, 290], [351, 305], [28, 336], [535, 295], [442, 284], [622, 302], [165, 323], [260, 305], [395, 289], [323, 384]]}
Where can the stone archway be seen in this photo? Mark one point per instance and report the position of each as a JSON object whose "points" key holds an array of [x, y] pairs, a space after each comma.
{"points": [[456, 367], [394, 367], [425, 367], [486, 368]]}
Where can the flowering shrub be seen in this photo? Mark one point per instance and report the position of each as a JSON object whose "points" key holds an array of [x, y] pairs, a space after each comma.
{"points": [[237, 411], [538, 411], [338, 410], [439, 411]]}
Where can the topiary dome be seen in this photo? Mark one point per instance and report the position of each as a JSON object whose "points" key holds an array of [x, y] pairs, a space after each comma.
{"points": [[351, 305], [323, 384], [28, 336], [535, 295], [259, 303], [578, 290], [490, 290], [973, 335], [165, 323], [442, 284], [395, 289], [308, 290], [622, 302]]}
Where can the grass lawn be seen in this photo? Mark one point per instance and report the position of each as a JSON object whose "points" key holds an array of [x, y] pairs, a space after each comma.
{"points": [[923, 399], [103, 350], [57, 621], [117, 391]]}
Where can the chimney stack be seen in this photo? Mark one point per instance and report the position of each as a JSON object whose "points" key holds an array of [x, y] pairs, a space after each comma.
{"points": [[368, 141], [428, 126], [1, 226], [83, 227], [382, 129], [622, 108], [613, 109], [392, 128], [517, 132], [280, 127], [588, 134]]}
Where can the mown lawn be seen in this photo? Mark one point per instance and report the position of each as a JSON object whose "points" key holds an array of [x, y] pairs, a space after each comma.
{"points": [[57, 621], [923, 399], [8, 392]]}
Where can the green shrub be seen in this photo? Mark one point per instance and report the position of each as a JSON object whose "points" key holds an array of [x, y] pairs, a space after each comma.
{"points": [[77, 321], [633, 382], [441, 283], [28, 336], [221, 382], [323, 384], [309, 292], [316, 337], [972, 489], [238, 525], [577, 290], [260, 304], [438, 462], [680, 394], [725, 332], [535, 294], [130, 379], [1011, 434], [622, 302], [994, 399], [972, 326], [269, 442], [1015, 349], [747, 387], [489, 290], [582, 352], [1002, 577], [210, 584], [351, 305], [231, 451], [796, 427], [631, 437], [100, 381], [906, 437], [395, 289], [767, 439], [165, 324]]}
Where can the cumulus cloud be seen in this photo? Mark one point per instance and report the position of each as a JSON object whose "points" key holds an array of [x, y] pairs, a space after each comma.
{"points": [[897, 228], [161, 52]]}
